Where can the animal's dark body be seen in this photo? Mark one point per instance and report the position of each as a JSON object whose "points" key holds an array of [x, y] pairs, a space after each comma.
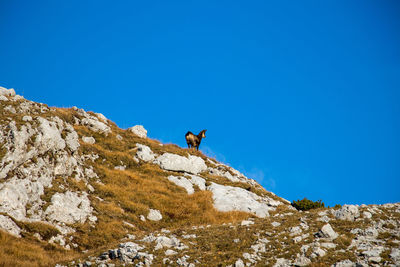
{"points": [[193, 140]]}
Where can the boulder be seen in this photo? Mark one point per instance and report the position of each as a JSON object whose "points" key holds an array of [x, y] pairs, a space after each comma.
{"points": [[229, 198], [144, 153], [95, 125], [173, 162], [327, 232], [139, 130], [70, 207], [9, 226], [88, 140], [182, 182], [49, 137], [154, 215], [7, 92], [347, 212]]}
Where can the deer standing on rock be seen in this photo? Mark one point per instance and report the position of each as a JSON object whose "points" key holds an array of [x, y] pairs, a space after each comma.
{"points": [[193, 140]]}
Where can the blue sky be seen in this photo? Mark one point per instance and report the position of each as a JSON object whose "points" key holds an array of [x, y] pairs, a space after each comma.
{"points": [[302, 96]]}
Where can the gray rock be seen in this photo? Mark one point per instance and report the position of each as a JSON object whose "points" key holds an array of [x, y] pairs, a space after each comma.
{"points": [[101, 117], [49, 137], [302, 261], [200, 182], [344, 263], [9, 226], [318, 252], [347, 212], [7, 92], [327, 232], [182, 182], [144, 153], [70, 207], [154, 215], [27, 118], [296, 230], [120, 167], [170, 252], [139, 130], [173, 162], [373, 252], [246, 223], [229, 198], [395, 255], [275, 224], [367, 215], [95, 125], [239, 263], [3, 98], [281, 262], [72, 140], [88, 140]]}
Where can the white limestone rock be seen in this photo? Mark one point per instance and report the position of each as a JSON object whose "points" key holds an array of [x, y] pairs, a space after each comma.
{"points": [[344, 263], [7, 92], [367, 215], [9, 226], [246, 223], [173, 162], [170, 252], [95, 125], [239, 263], [154, 215], [70, 207], [27, 118], [144, 153], [101, 117], [327, 232], [88, 140], [395, 255], [182, 182], [49, 137], [347, 212], [281, 262], [139, 130], [72, 140], [229, 198], [197, 180]]}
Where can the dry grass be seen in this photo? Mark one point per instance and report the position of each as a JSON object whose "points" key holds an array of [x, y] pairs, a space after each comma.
{"points": [[19, 252]]}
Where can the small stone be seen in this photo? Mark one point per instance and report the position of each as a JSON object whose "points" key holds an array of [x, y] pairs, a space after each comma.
{"points": [[246, 223], [239, 263], [88, 140], [27, 118], [170, 252], [367, 215], [275, 224], [154, 215], [138, 130]]}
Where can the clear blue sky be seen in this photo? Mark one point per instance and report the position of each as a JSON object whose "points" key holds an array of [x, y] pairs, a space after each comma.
{"points": [[303, 96]]}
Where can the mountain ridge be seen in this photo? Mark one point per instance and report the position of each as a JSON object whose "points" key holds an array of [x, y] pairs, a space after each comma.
{"points": [[75, 185]]}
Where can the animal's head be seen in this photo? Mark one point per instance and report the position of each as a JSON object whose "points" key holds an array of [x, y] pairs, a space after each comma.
{"points": [[203, 134]]}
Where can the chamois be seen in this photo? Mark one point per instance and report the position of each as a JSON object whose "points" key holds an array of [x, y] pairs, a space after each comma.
{"points": [[195, 140]]}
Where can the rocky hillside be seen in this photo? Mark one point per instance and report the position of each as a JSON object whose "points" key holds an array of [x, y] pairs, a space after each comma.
{"points": [[76, 190]]}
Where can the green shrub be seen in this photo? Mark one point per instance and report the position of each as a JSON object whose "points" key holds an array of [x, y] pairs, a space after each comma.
{"points": [[307, 204]]}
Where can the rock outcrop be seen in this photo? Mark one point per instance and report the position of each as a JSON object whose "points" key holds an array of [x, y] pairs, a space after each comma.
{"points": [[173, 162]]}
